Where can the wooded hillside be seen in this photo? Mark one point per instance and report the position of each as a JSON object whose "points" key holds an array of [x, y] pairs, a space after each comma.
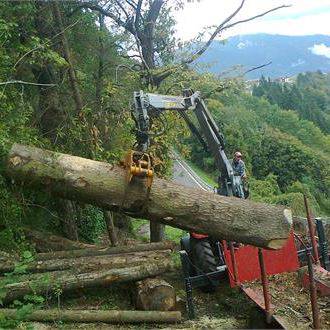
{"points": [[68, 72], [67, 83]]}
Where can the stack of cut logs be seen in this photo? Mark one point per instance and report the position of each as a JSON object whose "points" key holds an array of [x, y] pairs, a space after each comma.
{"points": [[94, 266]]}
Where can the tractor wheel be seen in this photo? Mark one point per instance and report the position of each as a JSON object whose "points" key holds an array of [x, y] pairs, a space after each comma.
{"points": [[203, 260]]}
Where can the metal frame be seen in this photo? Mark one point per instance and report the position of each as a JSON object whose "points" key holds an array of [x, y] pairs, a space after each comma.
{"points": [[198, 281], [148, 105]]}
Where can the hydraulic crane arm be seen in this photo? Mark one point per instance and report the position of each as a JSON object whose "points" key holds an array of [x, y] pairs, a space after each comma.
{"points": [[148, 105]]}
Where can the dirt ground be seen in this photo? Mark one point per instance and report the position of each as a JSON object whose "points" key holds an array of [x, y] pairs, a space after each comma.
{"points": [[225, 309], [292, 302]]}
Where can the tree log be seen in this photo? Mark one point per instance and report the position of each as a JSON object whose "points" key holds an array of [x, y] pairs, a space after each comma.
{"points": [[157, 232], [105, 251], [68, 280], [86, 264], [155, 294], [45, 242], [113, 316], [191, 209], [108, 218]]}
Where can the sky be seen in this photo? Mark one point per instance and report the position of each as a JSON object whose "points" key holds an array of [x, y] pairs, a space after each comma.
{"points": [[304, 17]]}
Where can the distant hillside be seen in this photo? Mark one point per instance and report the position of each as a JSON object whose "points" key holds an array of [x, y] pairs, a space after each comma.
{"points": [[290, 55]]}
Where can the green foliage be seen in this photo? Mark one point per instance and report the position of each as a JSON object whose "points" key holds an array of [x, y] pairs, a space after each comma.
{"points": [[28, 304], [31, 51], [308, 95], [91, 224], [281, 150], [281, 129]]}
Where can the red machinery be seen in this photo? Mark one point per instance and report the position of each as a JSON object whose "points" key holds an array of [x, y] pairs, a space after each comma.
{"points": [[247, 262]]}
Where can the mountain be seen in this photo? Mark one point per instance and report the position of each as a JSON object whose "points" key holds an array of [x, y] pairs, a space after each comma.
{"points": [[290, 55]]}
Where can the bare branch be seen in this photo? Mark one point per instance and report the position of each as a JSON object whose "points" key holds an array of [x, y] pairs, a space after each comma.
{"points": [[124, 24], [131, 3], [154, 10], [257, 67], [137, 16], [131, 56], [36, 48], [122, 8], [123, 66], [254, 17], [25, 83], [224, 26], [230, 17]]}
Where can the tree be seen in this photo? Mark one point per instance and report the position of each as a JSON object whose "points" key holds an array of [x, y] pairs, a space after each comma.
{"points": [[139, 18]]}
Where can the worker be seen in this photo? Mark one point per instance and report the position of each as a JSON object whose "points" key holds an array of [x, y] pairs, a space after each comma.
{"points": [[238, 165]]}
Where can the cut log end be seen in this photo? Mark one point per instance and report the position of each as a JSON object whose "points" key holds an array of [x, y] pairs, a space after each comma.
{"points": [[276, 244], [14, 161], [155, 294], [288, 216]]}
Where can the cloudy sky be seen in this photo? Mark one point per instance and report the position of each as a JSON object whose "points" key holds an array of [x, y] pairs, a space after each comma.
{"points": [[302, 18]]}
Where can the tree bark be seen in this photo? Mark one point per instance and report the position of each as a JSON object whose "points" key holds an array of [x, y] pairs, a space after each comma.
{"points": [[68, 215], [123, 222], [87, 264], [155, 294], [103, 184], [46, 242], [105, 251], [50, 114], [100, 71], [68, 280], [112, 316], [157, 231], [67, 55], [108, 218]]}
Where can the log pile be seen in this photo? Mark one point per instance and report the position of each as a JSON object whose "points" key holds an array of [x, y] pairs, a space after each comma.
{"points": [[76, 269]]}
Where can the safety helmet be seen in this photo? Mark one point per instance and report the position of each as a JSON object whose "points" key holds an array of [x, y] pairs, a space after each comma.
{"points": [[237, 154]]}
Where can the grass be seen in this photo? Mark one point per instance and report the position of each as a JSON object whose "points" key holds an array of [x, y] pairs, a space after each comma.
{"points": [[202, 174], [171, 233]]}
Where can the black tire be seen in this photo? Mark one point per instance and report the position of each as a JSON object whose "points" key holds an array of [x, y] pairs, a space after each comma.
{"points": [[204, 261]]}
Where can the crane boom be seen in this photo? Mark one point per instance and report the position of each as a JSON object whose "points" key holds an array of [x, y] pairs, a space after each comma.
{"points": [[147, 105]]}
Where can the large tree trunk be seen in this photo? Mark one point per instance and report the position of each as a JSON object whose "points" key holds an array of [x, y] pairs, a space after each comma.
{"points": [[105, 251], [50, 113], [108, 218], [105, 185], [157, 231], [68, 218], [68, 280], [51, 315], [87, 264], [123, 222], [101, 66], [67, 55]]}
